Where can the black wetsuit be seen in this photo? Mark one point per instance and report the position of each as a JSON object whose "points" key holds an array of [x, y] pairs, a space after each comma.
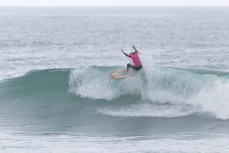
{"points": [[134, 67]]}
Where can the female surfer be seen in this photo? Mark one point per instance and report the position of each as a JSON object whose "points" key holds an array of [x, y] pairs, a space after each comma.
{"points": [[135, 58]]}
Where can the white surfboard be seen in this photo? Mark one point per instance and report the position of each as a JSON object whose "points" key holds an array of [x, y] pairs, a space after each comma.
{"points": [[122, 73]]}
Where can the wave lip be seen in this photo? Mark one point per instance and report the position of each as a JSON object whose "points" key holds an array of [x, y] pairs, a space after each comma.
{"points": [[93, 82]]}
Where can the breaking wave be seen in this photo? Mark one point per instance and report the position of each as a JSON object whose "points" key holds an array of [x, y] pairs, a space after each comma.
{"points": [[153, 92]]}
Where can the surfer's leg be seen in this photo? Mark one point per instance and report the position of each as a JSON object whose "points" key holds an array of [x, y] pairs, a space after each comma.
{"points": [[128, 66], [132, 66], [136, 68]]}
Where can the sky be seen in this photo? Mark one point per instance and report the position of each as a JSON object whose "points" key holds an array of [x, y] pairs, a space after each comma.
{"points": [[114, 3]]}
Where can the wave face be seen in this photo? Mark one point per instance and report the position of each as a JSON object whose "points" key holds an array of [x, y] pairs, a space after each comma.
{"points": [[86, 96]]}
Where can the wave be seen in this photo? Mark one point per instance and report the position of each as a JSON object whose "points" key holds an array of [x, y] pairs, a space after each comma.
{"points": [[153, 92]]}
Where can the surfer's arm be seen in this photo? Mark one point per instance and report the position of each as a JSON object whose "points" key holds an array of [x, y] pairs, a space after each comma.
{"points": [[135, 49], [125, 53]]}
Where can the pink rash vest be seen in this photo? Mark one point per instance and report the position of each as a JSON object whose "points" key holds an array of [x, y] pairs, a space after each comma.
{"points": [[134, 56]]}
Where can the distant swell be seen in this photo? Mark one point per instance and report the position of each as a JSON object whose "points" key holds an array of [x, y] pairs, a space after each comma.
{"points": [[153, 92]]}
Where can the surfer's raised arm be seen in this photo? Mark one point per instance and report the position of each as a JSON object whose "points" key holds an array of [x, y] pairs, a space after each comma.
{"points": [[134, 48], [125, 53]]}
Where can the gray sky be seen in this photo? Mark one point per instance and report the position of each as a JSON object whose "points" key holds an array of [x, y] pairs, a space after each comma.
{"points": [[114, 2]]}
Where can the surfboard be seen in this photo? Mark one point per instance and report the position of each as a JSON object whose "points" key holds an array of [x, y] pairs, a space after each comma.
{"points": [[122, 73]]}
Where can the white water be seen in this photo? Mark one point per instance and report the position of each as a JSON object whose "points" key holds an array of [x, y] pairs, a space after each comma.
{"points": [[214, 100]]}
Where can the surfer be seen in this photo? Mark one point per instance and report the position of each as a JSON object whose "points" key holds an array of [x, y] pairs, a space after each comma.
{"points": [[135, 58]]}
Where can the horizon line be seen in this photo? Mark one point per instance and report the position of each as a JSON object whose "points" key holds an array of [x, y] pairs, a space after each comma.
{"points": [[117, 6]]}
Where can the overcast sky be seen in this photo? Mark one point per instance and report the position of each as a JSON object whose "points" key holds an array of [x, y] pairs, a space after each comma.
{"points": [[114, 2]]}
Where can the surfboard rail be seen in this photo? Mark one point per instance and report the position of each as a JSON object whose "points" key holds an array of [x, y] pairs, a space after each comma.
{"points": [[122, 74]]}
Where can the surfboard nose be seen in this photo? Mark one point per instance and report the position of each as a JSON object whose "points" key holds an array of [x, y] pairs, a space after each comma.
{"points": [[112, 76]]}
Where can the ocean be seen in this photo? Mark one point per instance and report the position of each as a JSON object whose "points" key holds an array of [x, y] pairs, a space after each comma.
{"points": [[56, 95]]}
